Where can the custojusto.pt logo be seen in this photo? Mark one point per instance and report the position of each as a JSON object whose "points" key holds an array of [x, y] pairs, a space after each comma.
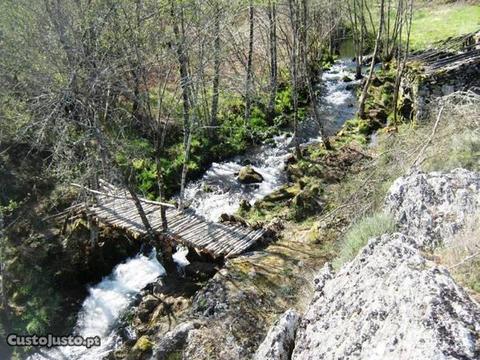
{"points": [[50, 340]]}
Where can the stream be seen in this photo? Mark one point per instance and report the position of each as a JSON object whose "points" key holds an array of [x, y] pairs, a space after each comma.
{"points": [[217, 192]]}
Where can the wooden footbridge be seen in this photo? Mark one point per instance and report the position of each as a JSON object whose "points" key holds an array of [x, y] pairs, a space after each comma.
{"points": [[114, 207]]}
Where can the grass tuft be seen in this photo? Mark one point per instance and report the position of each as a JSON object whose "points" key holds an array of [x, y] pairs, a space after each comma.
{"points": [[462, 256], [362, 231]]}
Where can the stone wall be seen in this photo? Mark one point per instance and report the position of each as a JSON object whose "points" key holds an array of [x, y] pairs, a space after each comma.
{"points": [[421, 85]]}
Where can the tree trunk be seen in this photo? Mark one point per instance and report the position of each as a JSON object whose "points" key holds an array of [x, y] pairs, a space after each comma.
{"points": [[402, 63], [159, 144], [138, 204], [249, 76], [184, 172], [107, 156], [272, 17], [183, 66], [363, 97], [186, 95], [216, 69], [294, 72]]}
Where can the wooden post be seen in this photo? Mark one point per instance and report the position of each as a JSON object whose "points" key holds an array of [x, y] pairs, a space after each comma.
{"points": [[166, 245]]}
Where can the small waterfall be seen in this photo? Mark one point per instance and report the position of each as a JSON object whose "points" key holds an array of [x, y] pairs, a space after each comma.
{"points": [[106, 302], [180, 258]]}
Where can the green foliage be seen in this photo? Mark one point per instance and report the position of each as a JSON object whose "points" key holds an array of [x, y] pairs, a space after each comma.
{"points": [[353, 130], [283, 101], [35, 302], [328, 61], [362, 231], [10, 207]]}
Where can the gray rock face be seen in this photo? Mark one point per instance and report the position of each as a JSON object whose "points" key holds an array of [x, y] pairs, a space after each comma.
{"points": [[389, 303], [433, 207], [279, 341], [173, 340]]}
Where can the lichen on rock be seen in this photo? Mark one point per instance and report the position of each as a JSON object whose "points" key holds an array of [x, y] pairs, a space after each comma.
{"points": [[279, 341], [390, 303], [433, 207]]}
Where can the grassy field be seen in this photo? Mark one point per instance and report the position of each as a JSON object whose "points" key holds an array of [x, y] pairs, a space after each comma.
{"points": [[438, 22]]}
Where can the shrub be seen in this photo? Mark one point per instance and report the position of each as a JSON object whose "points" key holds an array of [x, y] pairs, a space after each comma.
{"points": [[462, 151], [462, 255], [359, 234]]}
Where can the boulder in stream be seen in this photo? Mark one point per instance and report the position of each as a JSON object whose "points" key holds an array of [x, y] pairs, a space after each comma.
{"points": [[247, 175]]}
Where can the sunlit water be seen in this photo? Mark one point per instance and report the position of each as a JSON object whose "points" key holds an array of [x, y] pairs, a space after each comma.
{"points": [[104, 305], [218, 191]]}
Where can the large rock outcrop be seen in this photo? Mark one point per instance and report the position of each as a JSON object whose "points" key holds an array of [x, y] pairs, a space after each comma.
{"points": [[173, 340], [433, 207], [389, 303]]}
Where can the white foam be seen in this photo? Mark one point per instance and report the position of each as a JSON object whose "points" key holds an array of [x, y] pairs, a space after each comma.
{"points": [[105, 303], [225, 193]]}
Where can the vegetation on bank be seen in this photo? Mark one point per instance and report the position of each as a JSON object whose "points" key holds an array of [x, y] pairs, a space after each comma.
{"points": [[360, 233], [351, 210]]}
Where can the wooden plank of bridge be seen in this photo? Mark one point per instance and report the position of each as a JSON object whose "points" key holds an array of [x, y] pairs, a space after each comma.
{"points": [[115, 208]]}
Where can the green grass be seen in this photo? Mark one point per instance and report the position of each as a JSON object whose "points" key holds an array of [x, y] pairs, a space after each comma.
{"points": [[439, 23], [362, 231]]}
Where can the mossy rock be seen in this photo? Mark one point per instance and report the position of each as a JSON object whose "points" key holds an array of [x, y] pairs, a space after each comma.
{"points": [[142, 347], [283, 194], [379, 117], [294, 172], [308, 202], [247, 175]]}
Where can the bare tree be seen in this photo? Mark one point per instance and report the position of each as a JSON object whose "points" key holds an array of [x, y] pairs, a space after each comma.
{"points": [[272, 38], [402, 58], [363, 96], [249, 70], [216, 64]]}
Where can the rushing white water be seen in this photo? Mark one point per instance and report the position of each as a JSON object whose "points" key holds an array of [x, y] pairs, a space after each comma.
{"points": [[218, 191], [338, 102], [104, 305]]}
